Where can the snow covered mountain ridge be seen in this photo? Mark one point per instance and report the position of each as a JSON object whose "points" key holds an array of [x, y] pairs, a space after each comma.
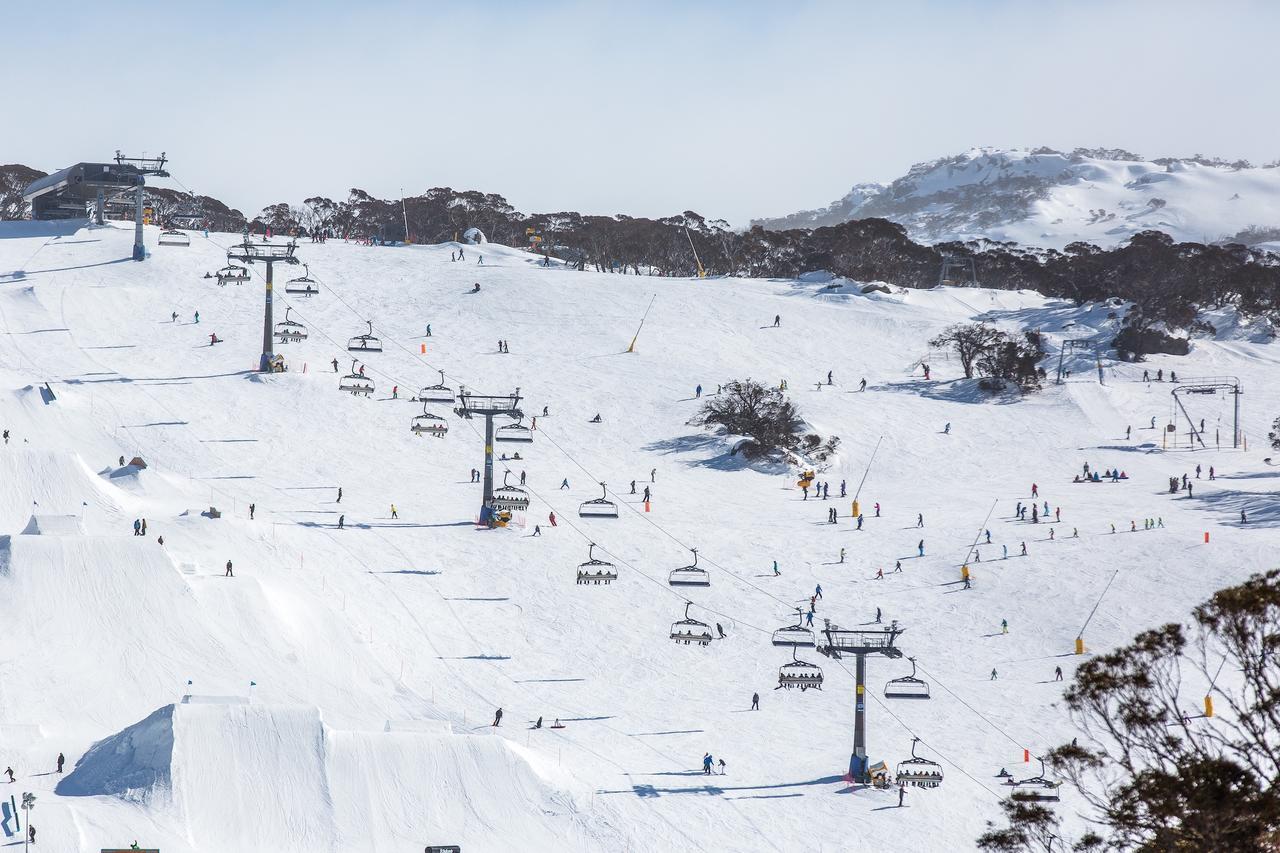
{"points": [[1050, 198]]}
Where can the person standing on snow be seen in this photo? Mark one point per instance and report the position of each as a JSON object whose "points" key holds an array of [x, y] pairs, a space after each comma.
{"points": [[776, 573], [755, 704], [697, 392], [777, 320], [497, 718], [707, 761], [229, 572], [61, 760], [920, 547]]}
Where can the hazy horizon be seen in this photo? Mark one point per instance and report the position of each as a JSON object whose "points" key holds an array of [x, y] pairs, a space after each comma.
{"points": [[735, 110]]}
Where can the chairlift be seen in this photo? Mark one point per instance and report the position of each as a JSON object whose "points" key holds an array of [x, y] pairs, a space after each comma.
{"points": [[919, 772], [799, 673], [689, 630], [510, 498], [366, 342], [690, 575], [793, 635], [514, 432], [173, 237], [232, 273], [908, 686], [355, 383], [1037, 789], [439, 393], [428, 424], [290, 331], [595, 571], [601, 507], [303, 285]]}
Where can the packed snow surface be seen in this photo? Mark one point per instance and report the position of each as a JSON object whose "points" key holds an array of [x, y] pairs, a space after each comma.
{"points": [[337, 692]]}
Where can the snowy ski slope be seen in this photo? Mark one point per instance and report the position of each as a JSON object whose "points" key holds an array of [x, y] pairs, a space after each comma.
{"points": [[379, 652]]}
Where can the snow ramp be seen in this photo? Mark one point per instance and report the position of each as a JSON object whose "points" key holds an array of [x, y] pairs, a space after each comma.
{"points": [[240, 776]]}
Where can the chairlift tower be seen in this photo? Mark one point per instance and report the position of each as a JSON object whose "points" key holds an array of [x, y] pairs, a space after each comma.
{"points": [[488, 407], [958, 270], [1210, 385], [143, 166], [860, 644], [269, 254], [1075, 344]]}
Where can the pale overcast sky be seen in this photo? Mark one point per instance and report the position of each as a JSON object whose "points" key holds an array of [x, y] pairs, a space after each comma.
{"points": [[732, 109]]}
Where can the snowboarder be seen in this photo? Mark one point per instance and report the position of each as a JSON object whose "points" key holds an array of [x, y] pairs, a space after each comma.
{"points": [[9, 772], [497, 717], [214, 339], [946, 430], [538, 724], [755, 706], [229, 572], [862, 386]]}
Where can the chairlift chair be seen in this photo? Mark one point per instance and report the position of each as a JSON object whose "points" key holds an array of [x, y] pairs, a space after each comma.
{"points": [[793, 635], [908, 686], [303, 285], [600, 507], [510, 498], [428, 424], [689, 575], [173, 237], [689, 630], [595, 571], [232, 273], [1037, 789], [919, 772], [799, 673], [366, 342], [290, 331], [439, 393], [513, 432], [354, 383]]}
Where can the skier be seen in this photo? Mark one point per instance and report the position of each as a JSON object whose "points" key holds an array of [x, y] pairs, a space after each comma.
{"points": [[862, 386], [859, 527], [339, 500], [252, 509], [538, 724], [720, 630], [722, 767], [564, 484], [214, 339], [9, 772], [653, 475], [776, 573], [229, 573], [920, 519], [646, 494], [1024, 549], [551, 517], [1004, 626], [537, 530], [817, 591], [920, 547], [880, 574], [497, 718], [842, 550], [1244, 519], [1006, 547], [877, 615], [1127, 431], [394, 514], [993, 674], [428, 330], [707, 761], [197, 317], [1057, 673], [897, 567], [476, 288], [633, 487], [335, 365], [777, 320], [1035, 490], [988, 537], [877, 509], [173, 318], [61, 760], [946, 430], [829, 382], [697, 392], [342, 521], [755, 705], [902, 792], [395, 392], [137, 527], [842, 488]]}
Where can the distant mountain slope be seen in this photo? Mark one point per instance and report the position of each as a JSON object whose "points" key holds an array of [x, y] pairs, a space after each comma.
{"points": [[1044, 197]]}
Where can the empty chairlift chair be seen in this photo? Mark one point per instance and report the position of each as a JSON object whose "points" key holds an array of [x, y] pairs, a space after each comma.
{"points": [[689, 575], [438, 393], [173, 237], [688, 630], [303, 285], [800, 673], [428, 424], [919, 772], [601, 507], [366, 342], [513, 432], [793, 635], [290, 331], [596, 572], [355, 383], [1038, 789], [232, 274], [908, 686], [508, 498]]}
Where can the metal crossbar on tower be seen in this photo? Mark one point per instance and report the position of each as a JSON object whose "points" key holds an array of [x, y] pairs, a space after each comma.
{"points": [[958, 270], [488, 407], [269, 254], [1210, 385], [860, 644]]}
